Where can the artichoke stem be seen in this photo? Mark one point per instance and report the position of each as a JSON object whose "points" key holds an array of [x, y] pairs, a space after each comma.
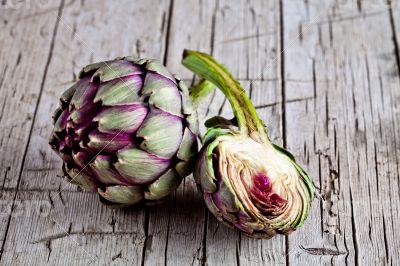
{"points": [[248, 120]]}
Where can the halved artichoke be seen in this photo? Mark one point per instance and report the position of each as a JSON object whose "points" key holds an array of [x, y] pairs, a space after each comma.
{"points": [[247, 182]]}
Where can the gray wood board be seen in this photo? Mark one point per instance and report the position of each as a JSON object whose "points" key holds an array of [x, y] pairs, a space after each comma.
{"points": [[323, 75]]}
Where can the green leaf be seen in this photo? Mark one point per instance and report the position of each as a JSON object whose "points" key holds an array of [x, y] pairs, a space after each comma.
{"points": [[140, 166], [163, 186], [115, 69], [121, 118], [162, 134], [156, 66], [306, 179], [124, 195], [188, 147], [107, 175], [220, 122], [79, 178], [200, 91], [164, 94], [119, 91]]}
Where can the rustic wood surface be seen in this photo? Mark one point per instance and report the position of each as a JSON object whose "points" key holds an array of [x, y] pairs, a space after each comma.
{"points": [[324, 76]]}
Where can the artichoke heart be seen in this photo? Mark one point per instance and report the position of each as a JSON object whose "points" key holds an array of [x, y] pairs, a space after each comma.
{"points": [[247, 182], [259, 183]]}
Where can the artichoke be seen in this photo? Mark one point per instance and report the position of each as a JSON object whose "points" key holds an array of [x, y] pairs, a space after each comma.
{"points": [[247, 182], [127, 130]]}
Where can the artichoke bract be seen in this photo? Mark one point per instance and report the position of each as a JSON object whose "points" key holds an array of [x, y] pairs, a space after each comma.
{"points": [[247, 182], [127, 130]]}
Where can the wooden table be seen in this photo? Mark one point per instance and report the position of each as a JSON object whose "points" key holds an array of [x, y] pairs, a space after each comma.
{"points": [[324, 76]]}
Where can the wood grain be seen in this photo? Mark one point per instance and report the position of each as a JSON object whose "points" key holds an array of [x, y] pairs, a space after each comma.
{"points": [[21, 83], [339, 125], [323, 75], [86, 33]]}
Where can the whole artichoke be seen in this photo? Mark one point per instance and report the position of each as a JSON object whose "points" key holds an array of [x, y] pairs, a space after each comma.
{"points": [[247, 182], [127, 130]]}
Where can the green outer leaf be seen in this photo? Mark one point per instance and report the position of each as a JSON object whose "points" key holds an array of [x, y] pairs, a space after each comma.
{"points": [[206, 175], [140, 166], [162, 134], [102, 166], [67, 96], [193, 122], [156, 66], [119, 91], [213, 133], [83, 94], [187, 105], [303, 174], [77, 177], [284, 151], [188, 146], [199, 91], [206, 67], [219, 122], [115, 69], [306, 182], [185, 168], [163, 186], [207, 170], [56, 115], [130, 58], [117, 119], [141, 61], [167, 99], [61, 122], [126, 195], [92, 67]]}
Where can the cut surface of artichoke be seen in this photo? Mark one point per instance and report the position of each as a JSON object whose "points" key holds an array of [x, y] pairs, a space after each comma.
{"points": [[262, 181], [247, 182]]}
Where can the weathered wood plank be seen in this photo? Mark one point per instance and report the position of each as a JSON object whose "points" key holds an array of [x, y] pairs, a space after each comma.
{"points": [[266, 96], [192, 27], [71, 228], [225, 245], [394, 11], [247, 40], [21, 84], [23, 26], [87, 33], [185, 225], [176, 228], [339, 122], [170, 230], [341, 101], [6, 203]]}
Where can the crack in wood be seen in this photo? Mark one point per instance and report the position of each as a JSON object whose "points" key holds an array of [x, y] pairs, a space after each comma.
{"points": [[52, 41], [365, 114], [249, 37], [82, 234], [395, 39], [280, 103], [322, 251], [349, 18], [117, 256]]}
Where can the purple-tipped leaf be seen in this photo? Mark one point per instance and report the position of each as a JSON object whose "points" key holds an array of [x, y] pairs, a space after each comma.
{"points": [[125, 118]]}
